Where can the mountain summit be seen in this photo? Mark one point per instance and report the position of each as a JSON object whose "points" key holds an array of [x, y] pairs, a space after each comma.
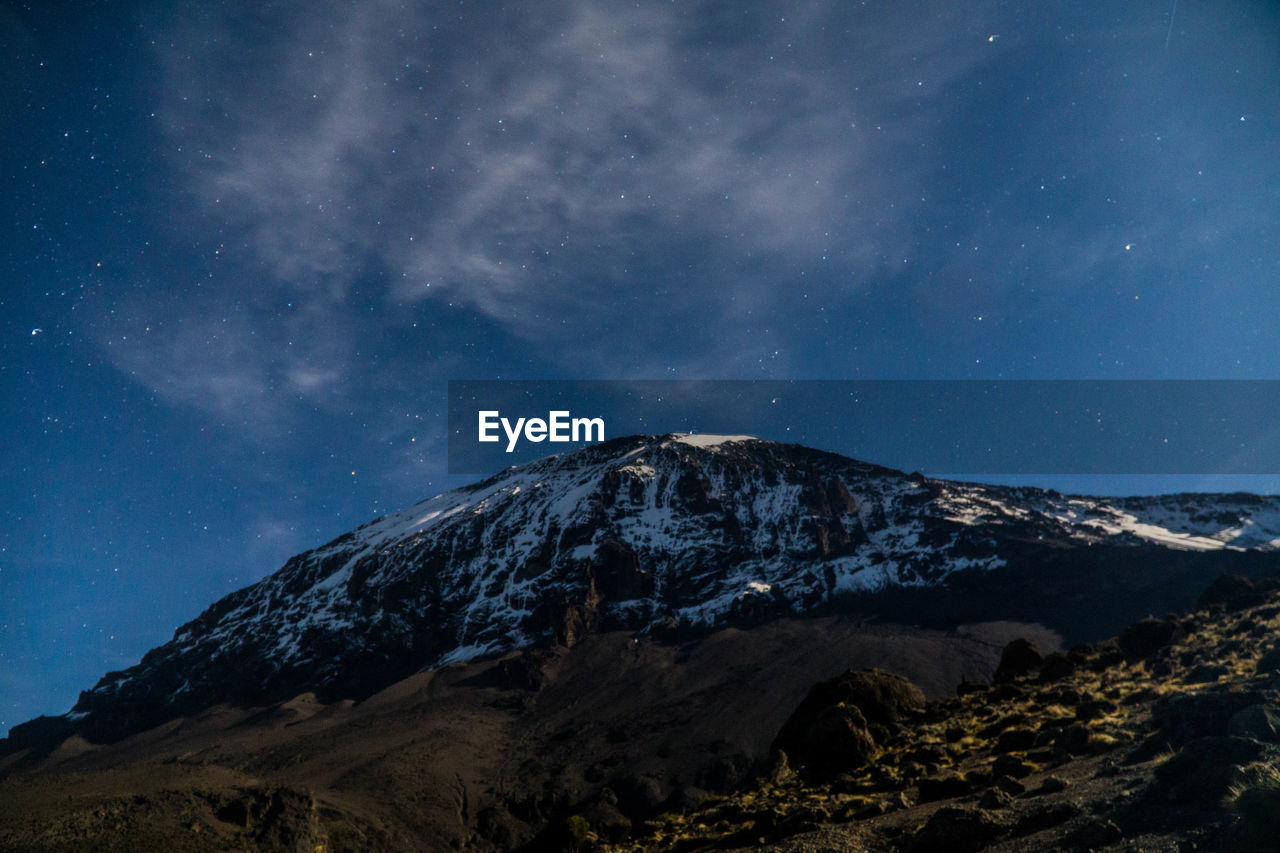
{"points": [[674, 533]]}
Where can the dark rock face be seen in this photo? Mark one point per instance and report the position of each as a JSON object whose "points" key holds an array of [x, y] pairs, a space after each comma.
{"points": [[1013, 740], [833, 741], [1259, 722], [618, 573], [1056, 667], [956, 830], [1188, 717], [41, 734], [944, 787], [1018, 659], [526, 671], [1232, 592], [1270, 661], [882, 697], [832, 730], [1145, 638], [1206, 673], [1202, 771]]}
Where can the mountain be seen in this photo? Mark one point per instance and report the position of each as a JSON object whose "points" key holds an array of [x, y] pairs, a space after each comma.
{"points": [[574, 647], [672, 536]]}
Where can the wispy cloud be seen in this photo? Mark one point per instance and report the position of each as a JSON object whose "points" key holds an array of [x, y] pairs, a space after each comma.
{"points": [[251, 357], [569, 178], [518, 164]]}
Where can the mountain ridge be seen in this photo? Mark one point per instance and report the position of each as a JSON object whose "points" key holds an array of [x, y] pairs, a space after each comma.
{"points": [[648, 534]]}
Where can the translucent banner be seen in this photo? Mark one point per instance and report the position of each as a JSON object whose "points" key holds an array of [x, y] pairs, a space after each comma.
{"points": [[1196, 427]]}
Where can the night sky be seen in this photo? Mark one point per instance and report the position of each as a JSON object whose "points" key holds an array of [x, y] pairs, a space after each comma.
{"points": [[245, 245]]}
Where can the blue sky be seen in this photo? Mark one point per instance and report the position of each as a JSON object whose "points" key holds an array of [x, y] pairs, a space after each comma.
{"points": [[247, 245]]}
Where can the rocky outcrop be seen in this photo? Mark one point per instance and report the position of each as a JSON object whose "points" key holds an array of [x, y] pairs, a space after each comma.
{"points": [[1019, 658], [834, 729], [1119, 750]]}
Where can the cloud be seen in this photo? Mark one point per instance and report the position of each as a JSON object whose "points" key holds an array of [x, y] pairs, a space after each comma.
{"points": [[514, 163], [657, 188], [641, 189], [249, 356]]}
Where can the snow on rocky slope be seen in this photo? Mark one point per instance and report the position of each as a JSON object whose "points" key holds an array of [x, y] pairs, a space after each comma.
{"points": [[639, 533]]}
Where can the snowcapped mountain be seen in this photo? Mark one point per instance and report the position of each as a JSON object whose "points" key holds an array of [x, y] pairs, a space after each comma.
{"points": [[676, 532]]}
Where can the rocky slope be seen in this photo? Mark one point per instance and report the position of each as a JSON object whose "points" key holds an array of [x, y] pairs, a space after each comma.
{"points": [[1164, 738], [488, 755], [671, 535]]}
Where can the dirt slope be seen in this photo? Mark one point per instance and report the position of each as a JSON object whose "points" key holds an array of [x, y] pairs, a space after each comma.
{"points": [[484, 755]]}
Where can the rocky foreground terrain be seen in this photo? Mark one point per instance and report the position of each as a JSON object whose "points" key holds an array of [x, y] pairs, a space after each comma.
{"points": [[1164, 738], [494, 754]]}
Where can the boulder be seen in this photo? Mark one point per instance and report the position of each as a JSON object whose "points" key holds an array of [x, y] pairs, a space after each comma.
{"points": [[1014, 740], [1260, 722], [1018, 659], [995, 799], [1056, 667], [1203, 771], [1046, 817], [1008, 785], [1143, 639], [944, 787], [1206, 673], [1270, 661], [1230, 592], [956, 830], [1186, 717], [831, 731], [1010, 765], [832, 741], [1095, 707]]}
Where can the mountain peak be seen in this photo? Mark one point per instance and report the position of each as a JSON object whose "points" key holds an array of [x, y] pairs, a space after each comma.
{"points": [[710, 440]]}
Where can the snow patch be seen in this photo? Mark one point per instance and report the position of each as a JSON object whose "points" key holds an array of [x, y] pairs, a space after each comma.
{"points": [[1177, 541], [465, 653], [709, 440]]}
